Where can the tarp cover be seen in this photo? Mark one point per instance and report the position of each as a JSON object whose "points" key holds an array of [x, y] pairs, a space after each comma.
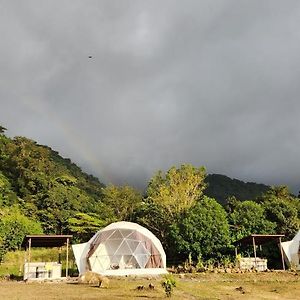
{"points": [[292, 251], [121, 248]]}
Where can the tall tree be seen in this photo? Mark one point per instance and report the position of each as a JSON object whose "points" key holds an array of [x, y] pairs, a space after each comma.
{"points": [[59, 203], [122, 200], [83, 226], [7, 195], [249, 217], [178, 190], [283, 209], [169, 196], [203, 230]]}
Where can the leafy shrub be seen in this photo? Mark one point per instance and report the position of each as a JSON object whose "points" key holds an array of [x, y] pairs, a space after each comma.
{"points": [[204, 231], [168, 284], [13, 228]]}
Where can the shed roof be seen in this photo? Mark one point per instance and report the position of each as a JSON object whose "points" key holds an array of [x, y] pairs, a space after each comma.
{"points": [[43, 240], [259, 239]]}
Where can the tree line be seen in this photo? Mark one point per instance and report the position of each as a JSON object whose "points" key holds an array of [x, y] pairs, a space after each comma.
{"points": [[41, 192]]}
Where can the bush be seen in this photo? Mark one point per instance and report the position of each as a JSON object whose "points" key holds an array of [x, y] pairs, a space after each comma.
{"points": [[13, 228], [168, 284]]}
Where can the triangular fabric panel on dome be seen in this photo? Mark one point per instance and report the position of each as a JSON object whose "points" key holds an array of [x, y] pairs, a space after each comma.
{"points": [[126, 233], [133, 244], [112, 245], [116, 235], [141, 249], [123, 249]]}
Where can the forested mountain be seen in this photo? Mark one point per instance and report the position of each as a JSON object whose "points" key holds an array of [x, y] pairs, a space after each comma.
{"points": [[45, 186], [41, 192], [221, 187]]}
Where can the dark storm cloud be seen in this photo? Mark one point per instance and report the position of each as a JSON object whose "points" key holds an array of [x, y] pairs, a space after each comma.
{"points": [[212, 83]]}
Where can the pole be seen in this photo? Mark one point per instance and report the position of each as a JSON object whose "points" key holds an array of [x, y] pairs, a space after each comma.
{"points": [[282, 257], [29, 257], [236, 261], [59, 255], [254, 249], [29, 252], [67, 263]]}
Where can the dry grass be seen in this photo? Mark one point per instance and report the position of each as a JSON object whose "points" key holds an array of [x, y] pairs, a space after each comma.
{"points": [[199, 286], [14, 260]]}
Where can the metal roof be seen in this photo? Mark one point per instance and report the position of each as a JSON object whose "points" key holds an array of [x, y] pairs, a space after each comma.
{"points": [[46, 240], [259, 239]]}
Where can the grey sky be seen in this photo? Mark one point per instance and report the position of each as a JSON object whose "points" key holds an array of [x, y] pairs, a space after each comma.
{"points": [[213, 83]]}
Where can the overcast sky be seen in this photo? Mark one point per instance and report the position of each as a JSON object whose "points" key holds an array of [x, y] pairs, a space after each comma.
{"points": [[213, 83]]}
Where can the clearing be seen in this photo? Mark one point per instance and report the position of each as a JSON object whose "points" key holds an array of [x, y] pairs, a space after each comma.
{"points": [[271, 285]]}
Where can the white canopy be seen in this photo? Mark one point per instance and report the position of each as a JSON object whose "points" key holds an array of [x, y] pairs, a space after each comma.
{"points": [[292, 250], [121, 248]]}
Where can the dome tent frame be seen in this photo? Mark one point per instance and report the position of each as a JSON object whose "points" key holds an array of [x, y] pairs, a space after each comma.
{"points": [[121, 248]]}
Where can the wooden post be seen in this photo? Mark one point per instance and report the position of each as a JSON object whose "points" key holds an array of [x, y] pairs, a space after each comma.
{"points": [[25, 261], [254, 249], [236, 253], [67, 262], [29, 250], [282, 257], [59, 255], [29, 257]]}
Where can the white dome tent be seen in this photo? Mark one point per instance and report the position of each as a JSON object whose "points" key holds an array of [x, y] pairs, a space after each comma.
{"points": [[121, 248]]}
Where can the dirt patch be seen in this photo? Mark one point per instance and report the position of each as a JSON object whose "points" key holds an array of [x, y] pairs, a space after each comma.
{"points": [[197, 286]]}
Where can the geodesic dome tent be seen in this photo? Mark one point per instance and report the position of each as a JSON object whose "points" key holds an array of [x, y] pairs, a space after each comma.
{"points": [[121, 248]]}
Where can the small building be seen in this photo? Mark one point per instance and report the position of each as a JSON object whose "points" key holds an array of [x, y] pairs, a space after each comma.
{"points": [[45, 270], [255, 262]]}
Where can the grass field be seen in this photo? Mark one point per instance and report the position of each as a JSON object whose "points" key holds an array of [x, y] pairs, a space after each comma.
{"points": [[275, 285], [13, 263]]}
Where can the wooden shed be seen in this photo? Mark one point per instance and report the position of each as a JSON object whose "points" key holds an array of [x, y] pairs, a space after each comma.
{"points": [[256, 240]]}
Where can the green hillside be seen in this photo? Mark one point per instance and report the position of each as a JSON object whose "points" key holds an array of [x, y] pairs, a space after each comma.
{"points": [[42, 192], [221, 187], [37, 182]]}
